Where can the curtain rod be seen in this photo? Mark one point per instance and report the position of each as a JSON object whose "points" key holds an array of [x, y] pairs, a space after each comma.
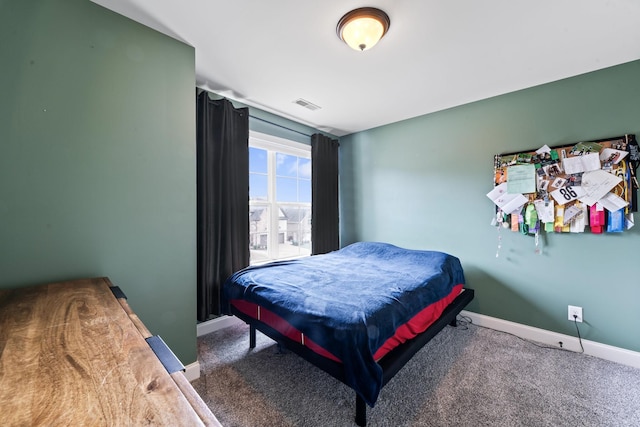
{"points": [[255, 117], [280, 126]]}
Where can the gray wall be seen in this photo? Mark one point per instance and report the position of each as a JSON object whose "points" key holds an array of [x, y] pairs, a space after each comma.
{"points": [[422, 184], [97, 158]]}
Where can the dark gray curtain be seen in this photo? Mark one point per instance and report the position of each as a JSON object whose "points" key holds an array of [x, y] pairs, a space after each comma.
{"points": [[222, 141], [324, 194]]}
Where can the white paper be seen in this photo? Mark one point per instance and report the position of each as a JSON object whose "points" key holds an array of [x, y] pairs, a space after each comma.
{"points": [[544, 149], [613, 202], [545, 211], [505, 201], [579, 164], [579, 221], [596, 184], [613, 155], [567, 194], [629, 220], [521, 179], [570, 213]]}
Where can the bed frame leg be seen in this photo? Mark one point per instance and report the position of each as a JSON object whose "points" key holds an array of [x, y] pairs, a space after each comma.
{"points": [[361, 411], [454, 322], [252, 336]]}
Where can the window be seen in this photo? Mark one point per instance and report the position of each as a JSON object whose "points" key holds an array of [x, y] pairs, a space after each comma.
{"points": [[279, 198]]}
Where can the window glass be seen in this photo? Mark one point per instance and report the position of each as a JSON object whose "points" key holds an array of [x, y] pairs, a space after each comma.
{"points": [[257, 160], [304, 191], [304, 168], [279, 200], [304, 185], [258, 176], [298, 228], [286, 189], [259, 220], [286, 165]]}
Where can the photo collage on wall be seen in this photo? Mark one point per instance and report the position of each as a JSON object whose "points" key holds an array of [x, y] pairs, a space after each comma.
{"points": [[587, 186]]}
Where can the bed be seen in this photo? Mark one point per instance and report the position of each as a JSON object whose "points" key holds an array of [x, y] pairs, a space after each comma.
{"points": [[359, 313]]}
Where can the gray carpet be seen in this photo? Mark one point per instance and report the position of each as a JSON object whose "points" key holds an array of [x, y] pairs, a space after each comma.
{"points": [[466, 376]]}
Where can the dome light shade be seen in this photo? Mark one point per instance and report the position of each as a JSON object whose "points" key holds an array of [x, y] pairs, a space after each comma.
{"points": [[362, 28]]}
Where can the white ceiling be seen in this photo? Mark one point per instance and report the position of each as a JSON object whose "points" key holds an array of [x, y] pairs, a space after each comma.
{"points": [[437, 54]]}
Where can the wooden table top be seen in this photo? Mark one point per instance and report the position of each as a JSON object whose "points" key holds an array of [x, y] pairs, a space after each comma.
{"points": [[71, 355]]}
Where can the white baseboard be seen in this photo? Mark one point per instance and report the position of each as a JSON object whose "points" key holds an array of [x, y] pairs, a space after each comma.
{"points": [[216, 324], [192, 371], [592, 348]]}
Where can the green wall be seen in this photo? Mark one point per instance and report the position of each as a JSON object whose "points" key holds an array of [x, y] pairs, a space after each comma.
{"points": [[97, 158], [422, 183]]}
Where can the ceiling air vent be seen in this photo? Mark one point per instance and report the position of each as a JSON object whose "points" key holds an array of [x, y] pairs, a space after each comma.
{"points": [[306, 104]]}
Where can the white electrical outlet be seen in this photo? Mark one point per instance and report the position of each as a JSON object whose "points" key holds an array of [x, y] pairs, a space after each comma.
{"points": [[575, 311]]}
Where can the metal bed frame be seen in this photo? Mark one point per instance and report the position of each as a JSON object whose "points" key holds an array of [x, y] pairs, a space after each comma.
{"points": [[390, 363]]}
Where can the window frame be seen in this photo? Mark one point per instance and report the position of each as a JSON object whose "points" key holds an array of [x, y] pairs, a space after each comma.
{"points": [[273, 144]]}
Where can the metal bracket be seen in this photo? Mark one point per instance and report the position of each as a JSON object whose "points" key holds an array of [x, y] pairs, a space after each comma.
{"points": [[169, 360], [117, 292]]}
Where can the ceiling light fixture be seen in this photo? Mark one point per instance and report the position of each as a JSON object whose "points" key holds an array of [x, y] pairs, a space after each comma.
{"points": [[362, 28]]}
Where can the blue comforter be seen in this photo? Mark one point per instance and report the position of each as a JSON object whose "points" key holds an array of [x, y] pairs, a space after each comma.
{"points": [[350, 301]]}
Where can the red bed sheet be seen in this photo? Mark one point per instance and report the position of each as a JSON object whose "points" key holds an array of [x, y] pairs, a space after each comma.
{"points": [[416, 325]]}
